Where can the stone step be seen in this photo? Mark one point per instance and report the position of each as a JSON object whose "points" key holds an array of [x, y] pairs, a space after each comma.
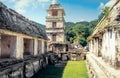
{"points": [[94, 69], [107, 69]]}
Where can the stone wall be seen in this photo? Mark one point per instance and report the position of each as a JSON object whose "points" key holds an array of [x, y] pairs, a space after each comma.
{"points": [[108, 48], [23, 68], [103, 61], [117, 48]]}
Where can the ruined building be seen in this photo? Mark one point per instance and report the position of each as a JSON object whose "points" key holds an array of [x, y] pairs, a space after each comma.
{"points": [[22, 45], [55, 28], [103, 61]]}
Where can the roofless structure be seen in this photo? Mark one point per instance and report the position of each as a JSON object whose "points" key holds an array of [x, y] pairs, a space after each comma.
{"points": [[104, 57], [55, 27], [22, 45]]}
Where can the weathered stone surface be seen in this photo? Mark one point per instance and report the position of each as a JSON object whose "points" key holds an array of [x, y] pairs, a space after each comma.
{"points": [[99, 68], [11, 20]]}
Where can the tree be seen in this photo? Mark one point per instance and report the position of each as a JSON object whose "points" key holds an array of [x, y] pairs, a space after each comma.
{"points": [[103, 13]]}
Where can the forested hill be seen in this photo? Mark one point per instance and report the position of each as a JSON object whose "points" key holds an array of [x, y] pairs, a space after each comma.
{"points": [[76, 32], [79, 32], [39, 25]]}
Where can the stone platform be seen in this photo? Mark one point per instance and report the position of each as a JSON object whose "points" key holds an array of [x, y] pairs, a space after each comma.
{"points": [[99, 69]]}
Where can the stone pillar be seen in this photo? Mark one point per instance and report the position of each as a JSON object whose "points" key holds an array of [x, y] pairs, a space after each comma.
{"points": [[96, 46], [104, 45], [35, 47], [112, 51], [19, 47], [91, 46], [99, 47], [43, 47], [117, 48], [97, 39]]}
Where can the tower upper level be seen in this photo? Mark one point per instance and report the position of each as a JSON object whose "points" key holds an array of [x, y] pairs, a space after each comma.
{"points": [[55, 9]]}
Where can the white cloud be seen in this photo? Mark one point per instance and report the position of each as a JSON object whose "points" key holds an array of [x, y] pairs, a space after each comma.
{"points": [[11, 1], [22, 5], [102, 5], [54, 1], [41, 1]]}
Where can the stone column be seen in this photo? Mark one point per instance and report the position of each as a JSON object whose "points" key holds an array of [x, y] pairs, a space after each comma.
{"points": [[97, 39], [104, 45], [112, 45], [96, 46], [19, 47], [43, 47], [35, 47], [91, 46]]}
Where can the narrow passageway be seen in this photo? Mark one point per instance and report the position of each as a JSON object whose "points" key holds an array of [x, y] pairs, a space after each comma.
{"points": [[73, 69]]}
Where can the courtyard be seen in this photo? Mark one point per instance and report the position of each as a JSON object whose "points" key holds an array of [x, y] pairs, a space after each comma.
{"points": [[73, 69]]}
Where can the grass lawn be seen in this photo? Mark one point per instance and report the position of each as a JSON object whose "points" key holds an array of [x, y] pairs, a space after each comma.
{"points": [[73, 69]]}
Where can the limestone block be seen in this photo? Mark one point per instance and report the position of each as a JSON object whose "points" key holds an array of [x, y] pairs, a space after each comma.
{"points": [[43, 47], [17, 74], [29, 72], [36, 66], [35, 47], [19, 47]]}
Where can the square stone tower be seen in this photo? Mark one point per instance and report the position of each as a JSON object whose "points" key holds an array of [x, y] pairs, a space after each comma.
{"points": [[55, 23]]}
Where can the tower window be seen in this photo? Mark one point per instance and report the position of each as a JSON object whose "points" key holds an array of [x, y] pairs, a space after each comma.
{"points": [[54, 24], [54, 37], [54, 13]]}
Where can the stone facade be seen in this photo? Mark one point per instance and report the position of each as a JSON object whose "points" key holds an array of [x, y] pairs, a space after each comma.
{"points": [[22, 45], [55, 23], [104, 57], [55, 28]]}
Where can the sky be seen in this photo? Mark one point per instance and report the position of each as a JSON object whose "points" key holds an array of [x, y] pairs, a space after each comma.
{"points": [[76, 10]]}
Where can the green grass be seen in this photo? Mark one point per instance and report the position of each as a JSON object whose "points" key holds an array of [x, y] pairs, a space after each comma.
{"points": [[73, 69]]}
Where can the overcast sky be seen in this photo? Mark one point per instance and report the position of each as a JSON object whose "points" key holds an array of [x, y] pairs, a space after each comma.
{"points": [[76, 10]]}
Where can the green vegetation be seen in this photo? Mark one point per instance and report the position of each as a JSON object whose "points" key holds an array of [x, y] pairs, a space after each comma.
{"points": [[79, 32], [74, 69], [103, 13]]}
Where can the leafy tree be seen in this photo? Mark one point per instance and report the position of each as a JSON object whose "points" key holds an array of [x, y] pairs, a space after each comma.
{"points": [[80, 31], [103, 13]]}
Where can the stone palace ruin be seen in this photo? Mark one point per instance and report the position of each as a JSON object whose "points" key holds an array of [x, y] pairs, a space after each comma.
{"points": [[23, 45], [103, 61]]}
